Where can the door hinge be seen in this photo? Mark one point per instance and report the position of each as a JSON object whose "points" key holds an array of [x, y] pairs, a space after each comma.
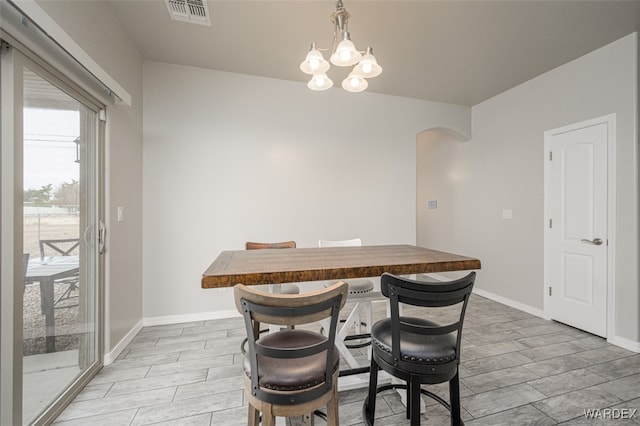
{"points": [[550, 223], [549, 290], [550, 155], [102, 115]]}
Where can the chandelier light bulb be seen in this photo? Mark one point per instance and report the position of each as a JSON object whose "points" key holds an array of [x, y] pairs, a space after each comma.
{"points": [[354, 83], [368, 66], [320, 82], [314, 62], [346, 53]]}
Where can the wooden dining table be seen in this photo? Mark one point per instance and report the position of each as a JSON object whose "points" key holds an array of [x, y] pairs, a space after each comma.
{"points": [[299, 265], [255, 267]]}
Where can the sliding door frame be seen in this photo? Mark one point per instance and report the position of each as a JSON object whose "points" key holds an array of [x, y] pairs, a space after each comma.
{"points": [[11, 231], [14, 58]]}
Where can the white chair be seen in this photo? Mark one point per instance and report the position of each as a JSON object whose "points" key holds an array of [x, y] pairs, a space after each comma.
{"points": [[360, 292]]}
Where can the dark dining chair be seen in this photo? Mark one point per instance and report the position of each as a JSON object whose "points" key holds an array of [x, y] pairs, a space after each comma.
{"points": [[419, 349], [291, 372]]}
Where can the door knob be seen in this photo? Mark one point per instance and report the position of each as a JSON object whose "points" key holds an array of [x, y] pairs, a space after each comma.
{"points": [[595, 241]]}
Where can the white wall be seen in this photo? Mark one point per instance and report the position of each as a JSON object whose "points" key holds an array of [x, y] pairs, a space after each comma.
{"points": [[502, 167], [96, 29], [230, 158]]}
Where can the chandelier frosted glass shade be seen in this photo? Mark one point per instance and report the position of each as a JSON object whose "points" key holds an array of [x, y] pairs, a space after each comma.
{"points": [[314, 63], [346, 53], [354, 83], [320, 82], [368, 66]]}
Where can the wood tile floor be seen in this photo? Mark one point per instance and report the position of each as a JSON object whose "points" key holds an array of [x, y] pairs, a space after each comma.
{"points": [[517, 369]]}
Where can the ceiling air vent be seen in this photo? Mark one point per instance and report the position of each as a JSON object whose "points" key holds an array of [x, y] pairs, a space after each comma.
{"points": [[194, 11]]}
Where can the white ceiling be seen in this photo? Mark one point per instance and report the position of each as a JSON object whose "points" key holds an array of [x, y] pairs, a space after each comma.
{"points": [[461, 52]]}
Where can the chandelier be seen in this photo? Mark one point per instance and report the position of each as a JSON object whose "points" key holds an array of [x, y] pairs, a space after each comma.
{"points": [[343, 54]]}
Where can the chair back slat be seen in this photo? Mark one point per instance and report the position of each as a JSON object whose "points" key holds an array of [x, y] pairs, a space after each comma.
{"points": [[422, 293], [285, 315], [355, 242], [251, 245], [62, 247], [427, 298]]}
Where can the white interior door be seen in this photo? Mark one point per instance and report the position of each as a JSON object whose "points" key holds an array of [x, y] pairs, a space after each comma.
{"points": [[576, 237]]}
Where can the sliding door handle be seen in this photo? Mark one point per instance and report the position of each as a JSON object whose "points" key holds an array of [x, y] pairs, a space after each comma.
{"points": [[102, 237]]}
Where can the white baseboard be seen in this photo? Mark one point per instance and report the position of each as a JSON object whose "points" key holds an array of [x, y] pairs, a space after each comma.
{"points": [[200, 316], [615, 340], [500, 299], [625, 343], [511, 303], [109, 357]]}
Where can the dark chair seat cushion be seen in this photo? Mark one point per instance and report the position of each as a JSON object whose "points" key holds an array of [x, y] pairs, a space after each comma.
{"points": [[426, 349], [291, 374]]}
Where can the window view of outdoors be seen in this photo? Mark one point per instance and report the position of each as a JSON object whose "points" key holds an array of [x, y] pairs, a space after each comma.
{"points": [[60, 321], [51, 219], [52, 307]]}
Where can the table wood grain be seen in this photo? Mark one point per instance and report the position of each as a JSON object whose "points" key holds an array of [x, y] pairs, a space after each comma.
{"points": [[254, 267]]}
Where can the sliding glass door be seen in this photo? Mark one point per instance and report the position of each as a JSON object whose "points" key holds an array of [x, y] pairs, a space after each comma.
{"points": [[56, 142]]}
